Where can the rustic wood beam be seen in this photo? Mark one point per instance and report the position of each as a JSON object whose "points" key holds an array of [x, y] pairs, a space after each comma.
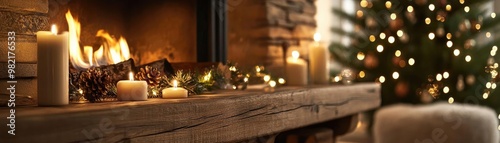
{"points": [[223, 117]]}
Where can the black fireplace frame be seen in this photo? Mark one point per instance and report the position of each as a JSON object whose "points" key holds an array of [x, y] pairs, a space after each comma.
{"points": [[211, 27]]}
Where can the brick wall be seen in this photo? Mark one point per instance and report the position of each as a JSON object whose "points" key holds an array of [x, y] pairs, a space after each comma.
{"points": [[257, 29], [24, 18]]}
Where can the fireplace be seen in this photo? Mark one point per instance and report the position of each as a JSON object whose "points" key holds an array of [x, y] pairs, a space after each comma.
{"points": [[180, 31]]}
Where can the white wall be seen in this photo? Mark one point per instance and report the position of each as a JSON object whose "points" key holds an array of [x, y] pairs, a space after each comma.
{"points": [[326, 19]]}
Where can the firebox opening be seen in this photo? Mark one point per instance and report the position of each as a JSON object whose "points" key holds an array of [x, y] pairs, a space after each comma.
{"points": [[154, 29]]}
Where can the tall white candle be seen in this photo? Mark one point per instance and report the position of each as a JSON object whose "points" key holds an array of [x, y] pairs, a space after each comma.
{"points": [[296, 70], [318, 58], [174, 92], [52, 70], [132, 90]]}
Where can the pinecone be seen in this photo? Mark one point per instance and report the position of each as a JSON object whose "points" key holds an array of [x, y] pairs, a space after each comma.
{"points": [[95, 82], [149, 74]]}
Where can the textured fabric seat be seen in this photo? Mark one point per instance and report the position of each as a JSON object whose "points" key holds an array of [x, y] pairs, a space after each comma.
{"points": [[435, 123]]}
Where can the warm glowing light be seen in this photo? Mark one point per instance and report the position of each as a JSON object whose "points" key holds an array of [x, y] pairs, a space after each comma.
{"points": [[462, 1], [336, 79], [388, 4], [381, 79], [409, 8], [175, 83], [380, 48], [382, 36], [494, 50], [272, 83], [257, 68], [267, 78], [446, 89], [397, 53], [493, 15], [448, 36], [439, 77], [53, 29], [468, 58], [448, 7], [411, 61], [360, 56], [432, 36], [485, 95], [359, 13], [488, 84], [281, 81], [456, 52], [363, 3], [394, 16], [317, 37], [395, 75], [232, 68], [372, 38], [245, 79], [80, 91], [466, 9], [427, 20], [451, 100], [88, 50], [493, 85], [391, 39], [131, 76], [295, 54], [478, 26], [362, 74], [400, 33], [432, 7], [208, 76], [446, 75], [112, 50], [449, 44], [488, 35]]}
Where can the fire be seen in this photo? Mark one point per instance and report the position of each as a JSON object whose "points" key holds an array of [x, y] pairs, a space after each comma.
{"points": [[112, 51]]}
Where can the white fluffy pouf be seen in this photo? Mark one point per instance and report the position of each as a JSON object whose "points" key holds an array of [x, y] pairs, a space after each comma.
{"points": [[435, 123]]}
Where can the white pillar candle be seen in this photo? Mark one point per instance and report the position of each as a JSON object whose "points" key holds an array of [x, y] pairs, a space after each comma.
{"points": [[174, 92], [132, 90], [52, 69], [296, 70], [318, 58]]}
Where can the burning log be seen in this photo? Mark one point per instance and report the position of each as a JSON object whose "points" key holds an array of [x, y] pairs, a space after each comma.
{"points": [[162, 65], [118, 71]]}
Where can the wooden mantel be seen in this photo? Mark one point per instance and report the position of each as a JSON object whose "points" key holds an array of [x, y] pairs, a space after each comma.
{"points": [[222, 117]]}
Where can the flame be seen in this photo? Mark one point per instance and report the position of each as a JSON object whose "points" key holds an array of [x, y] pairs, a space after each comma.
{"points": [[111, 51], [131, 76], [317, 37], [295, 54], [53, 29], [175, 83]]}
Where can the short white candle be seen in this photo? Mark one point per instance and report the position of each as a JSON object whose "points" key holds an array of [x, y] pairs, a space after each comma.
{"points": [[174, 92], [53, 70], [318, 58], [132, 90], [296, 70]]}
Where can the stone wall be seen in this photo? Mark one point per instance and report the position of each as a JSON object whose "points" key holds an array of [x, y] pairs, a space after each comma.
{"points": [[24, 18], [257, 30]]}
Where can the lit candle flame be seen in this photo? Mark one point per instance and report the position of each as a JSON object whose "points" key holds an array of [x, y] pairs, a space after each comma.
{"points": [[272, 83], [53, 29], [131, 76], [317, 37], [295, 54], [175, 83]]}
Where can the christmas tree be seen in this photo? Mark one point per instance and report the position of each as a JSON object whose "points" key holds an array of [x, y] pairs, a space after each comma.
{"points": [[423, 51]]}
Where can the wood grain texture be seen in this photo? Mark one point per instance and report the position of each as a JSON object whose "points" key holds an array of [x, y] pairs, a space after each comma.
{"points": [[222, 117]]}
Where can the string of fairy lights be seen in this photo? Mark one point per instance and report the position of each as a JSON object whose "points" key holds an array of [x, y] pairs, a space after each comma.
{"points": [[433, 88]]}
